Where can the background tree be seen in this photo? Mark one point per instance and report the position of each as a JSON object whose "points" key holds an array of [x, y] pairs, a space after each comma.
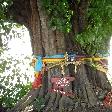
{"points": [[55, 26]]}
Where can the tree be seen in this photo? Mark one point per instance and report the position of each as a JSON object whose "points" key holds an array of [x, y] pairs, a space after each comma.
{"points": [[77, 25]]}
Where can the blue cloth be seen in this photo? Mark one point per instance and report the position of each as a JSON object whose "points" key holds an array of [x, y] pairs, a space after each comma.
{"points": [[38, 65], [55, 56]]}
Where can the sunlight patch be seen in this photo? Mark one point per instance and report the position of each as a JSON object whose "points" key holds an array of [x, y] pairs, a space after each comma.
{"points": [[109, 74]]}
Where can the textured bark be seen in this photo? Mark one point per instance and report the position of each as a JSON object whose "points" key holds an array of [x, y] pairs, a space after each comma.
{"points": [[86, 88], [78, 20], [44, 41]]}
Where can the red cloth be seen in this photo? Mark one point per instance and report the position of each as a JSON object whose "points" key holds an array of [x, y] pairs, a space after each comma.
{"points": [[37, 82], [108, 100]]}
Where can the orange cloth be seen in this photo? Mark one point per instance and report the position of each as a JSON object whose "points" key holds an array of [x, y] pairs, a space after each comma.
{"points": [[37, 82]]}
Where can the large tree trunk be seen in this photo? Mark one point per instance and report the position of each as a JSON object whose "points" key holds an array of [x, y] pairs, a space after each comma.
{"points": [[46, 41]]}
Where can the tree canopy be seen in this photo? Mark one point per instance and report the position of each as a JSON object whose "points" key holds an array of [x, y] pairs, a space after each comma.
{"points": [[94, 38]]}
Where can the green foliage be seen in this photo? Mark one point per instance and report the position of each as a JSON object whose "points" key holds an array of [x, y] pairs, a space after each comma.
{"points": [[2, 65], [6, 24], [4, 4], [12, 79], [59, 14], [12, 87], [95, 39], [10, 96], [3, 62]]}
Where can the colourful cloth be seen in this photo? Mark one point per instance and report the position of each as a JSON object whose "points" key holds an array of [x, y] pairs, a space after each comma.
{"points": [[37, 82], [55, 56], [108, 100], [38, 65]]}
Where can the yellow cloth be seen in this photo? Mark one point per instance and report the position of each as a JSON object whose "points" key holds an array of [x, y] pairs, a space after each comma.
{"points": [[36, 74], [52, 60]]}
